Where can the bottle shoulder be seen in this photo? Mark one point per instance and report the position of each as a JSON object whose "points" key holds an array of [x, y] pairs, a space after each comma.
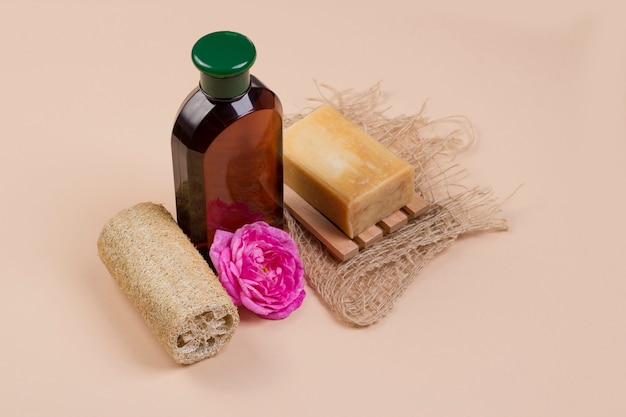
{"points": [[200, 118]]}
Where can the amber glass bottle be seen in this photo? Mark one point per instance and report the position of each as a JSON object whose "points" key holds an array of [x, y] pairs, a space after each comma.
{"points": [[227, 144]]}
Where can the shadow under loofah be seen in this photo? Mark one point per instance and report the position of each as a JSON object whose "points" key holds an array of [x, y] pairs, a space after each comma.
{"points": [[363, 289]]}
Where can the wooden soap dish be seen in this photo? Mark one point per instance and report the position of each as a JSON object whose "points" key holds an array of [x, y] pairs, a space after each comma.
{"points": [[337, 242]]}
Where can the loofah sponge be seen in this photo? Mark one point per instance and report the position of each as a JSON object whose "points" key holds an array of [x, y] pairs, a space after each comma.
{"points": [[168, 281]]}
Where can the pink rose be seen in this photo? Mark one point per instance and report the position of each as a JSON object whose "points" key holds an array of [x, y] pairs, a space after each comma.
{"points": [[260, 268]]}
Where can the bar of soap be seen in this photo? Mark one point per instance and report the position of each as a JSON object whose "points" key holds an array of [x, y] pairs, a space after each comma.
{"points": [[343, 172]]}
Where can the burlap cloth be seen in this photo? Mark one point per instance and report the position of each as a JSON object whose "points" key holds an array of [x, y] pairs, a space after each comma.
{"points": [[363, 289], [168, 282]]}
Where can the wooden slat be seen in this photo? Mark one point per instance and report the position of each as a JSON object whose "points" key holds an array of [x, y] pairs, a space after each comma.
{"points": [[394, 222], [416, 207], [369, 237], [334, 239]]}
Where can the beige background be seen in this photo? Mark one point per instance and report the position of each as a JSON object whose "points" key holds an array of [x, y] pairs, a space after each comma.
{"points": [[531, 322]]}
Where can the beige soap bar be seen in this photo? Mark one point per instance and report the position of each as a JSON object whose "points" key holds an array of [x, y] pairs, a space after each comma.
{"points": [[344, 173]]}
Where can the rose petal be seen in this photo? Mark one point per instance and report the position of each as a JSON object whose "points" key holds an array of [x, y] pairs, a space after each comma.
{"points": [[221, 241], [285, 312], [227, 271]]}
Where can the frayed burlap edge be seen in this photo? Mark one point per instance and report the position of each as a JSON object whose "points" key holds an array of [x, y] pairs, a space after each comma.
{"points": [[363, 289]]}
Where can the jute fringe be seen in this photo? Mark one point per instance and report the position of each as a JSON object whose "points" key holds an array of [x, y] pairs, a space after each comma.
{"points": [[363, 289], [168, 281]]}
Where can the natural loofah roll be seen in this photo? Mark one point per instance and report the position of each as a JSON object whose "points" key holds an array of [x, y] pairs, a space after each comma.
{"points": [[168, 281]]}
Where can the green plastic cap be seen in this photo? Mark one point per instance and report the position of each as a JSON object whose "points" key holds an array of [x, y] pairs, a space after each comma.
{"points": [[224, 60]]}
